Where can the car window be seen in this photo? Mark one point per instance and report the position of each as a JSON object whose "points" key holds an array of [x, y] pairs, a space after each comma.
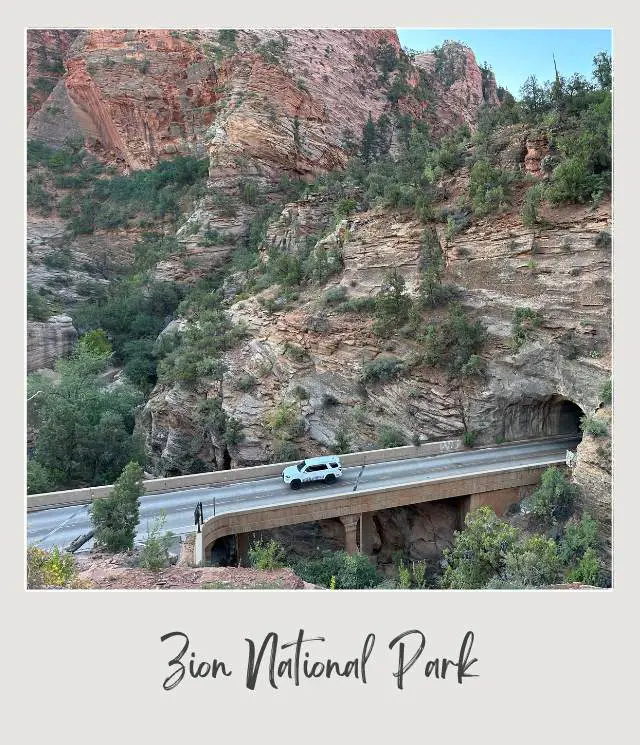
{"points": [[333, 465], [318, 467], [300, 465]]}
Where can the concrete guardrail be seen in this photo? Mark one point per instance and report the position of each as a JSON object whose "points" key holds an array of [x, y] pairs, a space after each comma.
{"points": [[158, 486]]}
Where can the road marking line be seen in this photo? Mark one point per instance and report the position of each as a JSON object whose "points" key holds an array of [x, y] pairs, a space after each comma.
{"points": [[57, 528]]}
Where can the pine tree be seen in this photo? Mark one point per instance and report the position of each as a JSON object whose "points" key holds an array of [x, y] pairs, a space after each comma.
{"points": [[431, 269], [116, 517], [368, 147]]}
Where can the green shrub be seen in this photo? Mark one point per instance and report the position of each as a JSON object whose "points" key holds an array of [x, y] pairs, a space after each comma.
{"points": [[329, 400], [284, 451], [592, 426], [468, 438], [282, 416], [300, 393], [589, 570], [199, 350], [334, 295], [573, 181], [525, 320], [132, 313], [454, 343], [225, 429], [390, 437], [66, 207], [431, 267], [49, 568], [606, 393], [246, 382], [474, 367], [529, 211], [294, 352], [85, 432], [391, 304], [249, 192], [297, 427], [39, 480], [478, 551], [96, 343], [404, 576], [532, 562], [554, 499], [266, 555], [154, 554], [38, 307], [156, 193], [115, 518], [272, 50], [488, 187], [357, 305], [418, 572], [38, 198], [577, 538], [349, 571], [342, 442], [61, 258], [344, 208], [381, 370]]}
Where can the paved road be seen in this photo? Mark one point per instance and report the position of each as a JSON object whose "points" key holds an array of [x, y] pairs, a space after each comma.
{"points": [[60, 525]]}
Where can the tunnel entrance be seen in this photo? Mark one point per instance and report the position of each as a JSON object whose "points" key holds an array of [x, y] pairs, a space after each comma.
{"points": [[531, 418]]}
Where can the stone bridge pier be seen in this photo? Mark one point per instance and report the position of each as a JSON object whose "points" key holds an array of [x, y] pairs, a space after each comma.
{"points": [[358, 533]]}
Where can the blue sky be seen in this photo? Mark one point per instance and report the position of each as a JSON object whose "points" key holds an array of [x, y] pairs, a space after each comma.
{"points": [[514, 54]]}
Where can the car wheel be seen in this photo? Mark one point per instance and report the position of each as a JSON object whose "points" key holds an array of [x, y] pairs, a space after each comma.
{"points": [[330, 478], [296, 484]]}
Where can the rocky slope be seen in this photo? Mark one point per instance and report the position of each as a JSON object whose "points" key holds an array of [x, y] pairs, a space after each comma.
{"points": [[264, 106], [566, 360], [49, 340], [138, 96], [261, 105], [46, 51], [592, 472]]}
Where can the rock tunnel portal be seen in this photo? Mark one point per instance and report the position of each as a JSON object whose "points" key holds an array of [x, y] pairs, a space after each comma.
{"points": [[546, 417]]}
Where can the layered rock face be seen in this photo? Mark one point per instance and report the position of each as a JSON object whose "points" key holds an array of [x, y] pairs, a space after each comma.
{"points": [[139, 96], [537, 390], [46, 51], [459, 85], [592, 473], [259, 104], [133, 96], [48, 341]]}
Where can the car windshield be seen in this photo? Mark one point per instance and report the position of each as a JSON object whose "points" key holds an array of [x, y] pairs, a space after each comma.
{"points": [[300, 465]]}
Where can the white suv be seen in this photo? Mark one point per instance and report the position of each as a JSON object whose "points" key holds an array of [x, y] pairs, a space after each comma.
{"points": [[327, 468]]}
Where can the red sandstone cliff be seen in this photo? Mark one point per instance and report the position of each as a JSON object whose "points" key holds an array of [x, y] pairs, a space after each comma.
{"points": [[281, 99], [46, 50]]}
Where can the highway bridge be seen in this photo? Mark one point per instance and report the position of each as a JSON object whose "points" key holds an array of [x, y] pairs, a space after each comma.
{"points": [[247, 500]]}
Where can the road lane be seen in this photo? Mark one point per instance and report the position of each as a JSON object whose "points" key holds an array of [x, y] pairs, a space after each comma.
{"points": [[59, 526]]}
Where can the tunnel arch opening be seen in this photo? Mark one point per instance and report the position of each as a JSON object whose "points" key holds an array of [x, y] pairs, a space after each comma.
{"points": [[543, 417]]}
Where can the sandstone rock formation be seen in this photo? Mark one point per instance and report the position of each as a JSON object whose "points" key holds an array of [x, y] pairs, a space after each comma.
{"points": [[46, 51], [259, 104], [592, 473], [48, 341], [267, 105]]}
